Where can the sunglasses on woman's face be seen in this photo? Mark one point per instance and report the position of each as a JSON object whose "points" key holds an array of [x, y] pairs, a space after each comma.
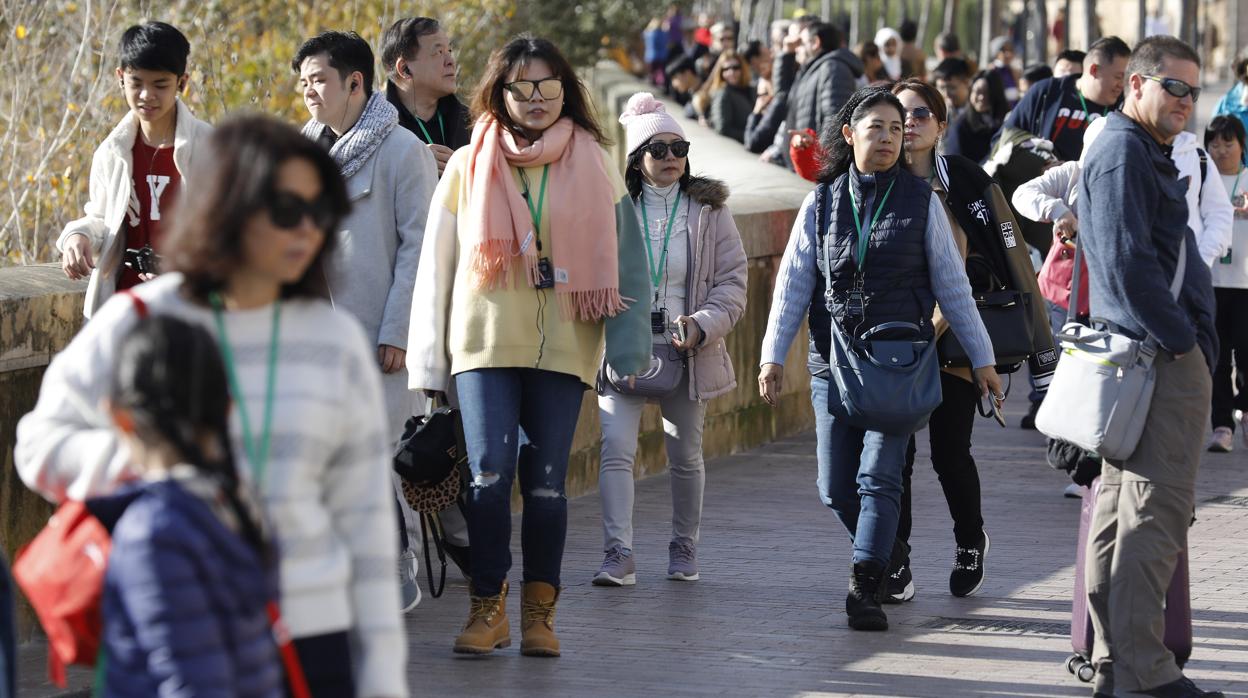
{"points": [[1176, 88], [523, 90], [919, 114], [658, 150], [287, 211], [734, 67]]}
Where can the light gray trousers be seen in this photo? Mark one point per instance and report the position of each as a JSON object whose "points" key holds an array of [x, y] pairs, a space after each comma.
{"points": [[683, 420]]}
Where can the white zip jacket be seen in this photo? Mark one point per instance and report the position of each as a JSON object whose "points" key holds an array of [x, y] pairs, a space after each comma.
{"points": [[109, 191]]}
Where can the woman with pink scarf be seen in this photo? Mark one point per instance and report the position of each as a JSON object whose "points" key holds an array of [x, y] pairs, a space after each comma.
{"points": [[532, 254]]}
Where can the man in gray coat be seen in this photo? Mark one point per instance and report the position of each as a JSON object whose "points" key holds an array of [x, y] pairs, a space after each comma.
{"points": [[390, 177], [825, 82]]}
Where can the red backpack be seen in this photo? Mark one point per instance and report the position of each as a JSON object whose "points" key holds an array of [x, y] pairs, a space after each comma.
{"points": [[61, 572]]}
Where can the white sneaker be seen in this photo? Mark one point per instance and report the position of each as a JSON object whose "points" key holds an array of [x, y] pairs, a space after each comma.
{"points": [[1222, 441], [1073, 491], [409, 585]]}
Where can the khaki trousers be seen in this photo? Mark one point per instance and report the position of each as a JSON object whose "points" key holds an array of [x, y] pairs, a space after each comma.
{"points": [[1139, 527]]}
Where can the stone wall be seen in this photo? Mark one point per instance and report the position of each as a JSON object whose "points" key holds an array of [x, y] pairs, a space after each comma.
{"points": [[40, 311]]}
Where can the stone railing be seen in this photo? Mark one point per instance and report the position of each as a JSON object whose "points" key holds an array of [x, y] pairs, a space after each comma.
{"points": [[40, 311]]}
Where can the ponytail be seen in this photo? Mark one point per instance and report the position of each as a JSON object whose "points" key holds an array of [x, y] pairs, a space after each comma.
{"points": [[839, 154]]}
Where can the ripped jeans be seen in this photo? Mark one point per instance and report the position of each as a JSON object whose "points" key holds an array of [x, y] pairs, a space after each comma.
{"points": [[517, 420]]}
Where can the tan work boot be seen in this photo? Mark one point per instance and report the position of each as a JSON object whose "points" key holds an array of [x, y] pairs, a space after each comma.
{"points": [[487, 628], [537, 620]]}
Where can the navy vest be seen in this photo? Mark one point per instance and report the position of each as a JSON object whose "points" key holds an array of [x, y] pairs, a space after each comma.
{"points": [[895, 281]]}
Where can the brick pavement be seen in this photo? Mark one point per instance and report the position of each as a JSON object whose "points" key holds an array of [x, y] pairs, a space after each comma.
{"points": [[767, 618]]}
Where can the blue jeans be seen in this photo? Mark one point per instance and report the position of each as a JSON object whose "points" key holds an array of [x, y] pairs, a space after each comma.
{"points": [[859, 477], [1057, 318], [500, 407]]}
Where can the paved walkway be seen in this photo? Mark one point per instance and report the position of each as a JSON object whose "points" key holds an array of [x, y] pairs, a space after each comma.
{"points": [[767, 618]]}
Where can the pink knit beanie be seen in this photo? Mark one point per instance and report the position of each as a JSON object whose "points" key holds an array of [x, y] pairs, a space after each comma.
{"points": [[645, 117]]}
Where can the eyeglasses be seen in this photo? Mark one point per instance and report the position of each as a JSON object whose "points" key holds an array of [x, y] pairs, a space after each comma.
{"points": [[287, 211], [658, 149], [734, 66], [1176, 88], [919, 114], [523, 90]]}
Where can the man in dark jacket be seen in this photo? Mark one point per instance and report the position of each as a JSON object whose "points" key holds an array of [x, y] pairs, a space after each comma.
{"points": [[1060, 109], [1133, 218], [825, 81], [420, 64]]}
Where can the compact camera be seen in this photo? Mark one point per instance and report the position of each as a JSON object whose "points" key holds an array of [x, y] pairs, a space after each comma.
{"points": [[143, 260]]}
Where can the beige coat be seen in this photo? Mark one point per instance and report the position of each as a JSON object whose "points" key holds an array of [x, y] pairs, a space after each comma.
{"points": [[716, 286]]}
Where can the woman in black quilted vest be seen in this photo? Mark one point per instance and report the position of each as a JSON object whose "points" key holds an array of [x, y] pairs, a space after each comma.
{"points": [[983, 227], [870, 246]]}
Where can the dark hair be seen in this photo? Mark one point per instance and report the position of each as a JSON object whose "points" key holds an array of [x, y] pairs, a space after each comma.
{"points": [[867, 49], [909, 30], [680, 65], [948, 42], [1036, 72], [1228, 128], [753, 50], [829, 35], [170, 378], [952, 68], [347, 52], [998, 104], [402, 40], [1072, 55], [633, 177], [807, 20], [1109, 48], [155, 46], [234, 179], [1239, 68], [839, 154], [1150, 53], [488, 99], [930, 94]]}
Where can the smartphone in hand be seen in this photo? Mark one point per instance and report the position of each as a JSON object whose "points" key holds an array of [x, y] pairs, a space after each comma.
{"points": [[996, 411]]}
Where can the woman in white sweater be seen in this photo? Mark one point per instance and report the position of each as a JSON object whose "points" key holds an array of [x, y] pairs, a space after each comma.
{"points": [[247, 259]]}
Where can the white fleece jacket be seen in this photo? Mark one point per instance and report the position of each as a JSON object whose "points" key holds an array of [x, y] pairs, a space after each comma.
{"points": [[109, 191]]}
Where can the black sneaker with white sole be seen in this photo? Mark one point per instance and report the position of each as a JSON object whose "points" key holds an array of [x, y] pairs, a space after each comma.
{"points": [[968, 569], [898, 583]]}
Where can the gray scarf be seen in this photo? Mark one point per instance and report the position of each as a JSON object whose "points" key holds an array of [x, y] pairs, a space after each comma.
{"points": [[357, 145]]}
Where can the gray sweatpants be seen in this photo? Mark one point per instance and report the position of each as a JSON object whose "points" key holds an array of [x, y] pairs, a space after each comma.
{"points": [[1140, 525], [683, 420]]}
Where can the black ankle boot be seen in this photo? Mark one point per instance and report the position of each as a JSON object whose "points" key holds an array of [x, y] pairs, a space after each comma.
{"points": [[863, 602]]}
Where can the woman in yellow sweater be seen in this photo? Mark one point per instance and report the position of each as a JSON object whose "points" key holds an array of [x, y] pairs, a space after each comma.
{"points": [[532, 253]]}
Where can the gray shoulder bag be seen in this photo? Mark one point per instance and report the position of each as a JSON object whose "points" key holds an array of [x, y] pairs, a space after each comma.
{"points": [[1103, 386]]}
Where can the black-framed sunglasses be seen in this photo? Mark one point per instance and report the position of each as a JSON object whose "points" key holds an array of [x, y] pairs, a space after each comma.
{"points": [[919, 114], [1175, 87], [288, 210], [523, 90], [730, 66], [658, 149]]}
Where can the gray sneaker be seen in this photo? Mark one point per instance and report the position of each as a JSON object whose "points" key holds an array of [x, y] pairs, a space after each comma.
{"points": [[618, 569], [409, 587], [682, 565]]}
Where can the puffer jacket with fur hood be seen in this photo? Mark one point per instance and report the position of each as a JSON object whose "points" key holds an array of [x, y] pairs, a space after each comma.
{"points": [[716, 286]]}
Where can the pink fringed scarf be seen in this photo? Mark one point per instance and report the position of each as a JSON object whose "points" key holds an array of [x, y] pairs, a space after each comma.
{"points": [[580, 208]]}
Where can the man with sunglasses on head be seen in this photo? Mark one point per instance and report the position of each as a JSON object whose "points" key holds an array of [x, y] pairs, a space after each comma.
{"points": [[422, 78], [1060, 109], [1133, 219], [390, 177]]}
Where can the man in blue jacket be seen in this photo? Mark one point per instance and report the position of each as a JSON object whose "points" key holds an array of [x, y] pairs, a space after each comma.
{"points": [[1133, 217], [1060, 109]]}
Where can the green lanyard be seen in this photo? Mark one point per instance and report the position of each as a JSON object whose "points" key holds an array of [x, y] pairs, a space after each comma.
{"points": [[1084, 104], [421, 123], [541, 203], [656, 271], [259, 456], [1236, 184], [864, 239]]}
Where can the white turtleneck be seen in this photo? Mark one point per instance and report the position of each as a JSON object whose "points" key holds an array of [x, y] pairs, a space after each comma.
{"points": [[658, 207]]}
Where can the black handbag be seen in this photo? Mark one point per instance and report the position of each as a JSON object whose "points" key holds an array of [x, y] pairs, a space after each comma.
{"points": [[1006, 314], [429, 448]]}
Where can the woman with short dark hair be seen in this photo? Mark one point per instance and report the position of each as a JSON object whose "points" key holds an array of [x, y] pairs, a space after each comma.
{"points": [[246, 258], [532, 253], [870, 252], [970, 135]]}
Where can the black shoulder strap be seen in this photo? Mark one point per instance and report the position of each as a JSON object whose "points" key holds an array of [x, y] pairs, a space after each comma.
{"points": [[1204, 174], [821, 211]]}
